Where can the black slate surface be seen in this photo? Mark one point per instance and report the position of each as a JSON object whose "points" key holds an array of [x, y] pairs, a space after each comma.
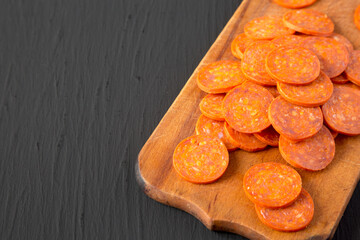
{"points": [[83, 83]]}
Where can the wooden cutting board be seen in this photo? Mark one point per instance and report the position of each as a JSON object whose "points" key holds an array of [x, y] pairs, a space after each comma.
{"points": [[223, 205]]}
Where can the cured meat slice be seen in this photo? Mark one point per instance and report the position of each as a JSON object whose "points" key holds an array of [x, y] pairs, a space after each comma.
{"points": [[239, 44], [333, 56], [293, 121], [292, 65], [244, 141], [289, 219], [352, 71], [342, 111], [288, 41], [309, 21], [310, 95], [294, 3], [268, 136], [246, 108], [312, 154], [341, 39], [341, 79], [266, 27], [205, 125], [357, 17], [220, 77], [253, 63], [201, 158], [273, 90], [272, 184], [211, 106]]}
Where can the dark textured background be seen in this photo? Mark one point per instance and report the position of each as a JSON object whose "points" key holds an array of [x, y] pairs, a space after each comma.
{"points": [[82, 86]]}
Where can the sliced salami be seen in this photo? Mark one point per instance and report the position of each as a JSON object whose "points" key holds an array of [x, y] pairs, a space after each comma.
{"points": [[239, 44], [268, 136], [288, 41], [211, 106], [294, 3], [341, 39], [341, 79], [352, 71]]}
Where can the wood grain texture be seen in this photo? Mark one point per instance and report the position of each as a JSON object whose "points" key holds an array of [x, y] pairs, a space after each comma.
{"points": [[223, 205]]}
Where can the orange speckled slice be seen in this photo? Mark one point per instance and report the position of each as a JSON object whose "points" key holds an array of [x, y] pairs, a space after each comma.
{"points": [[268, 136], [357, 17], [342, 111], [309, 21], [253, 63], [288, 41], [239, 44], [205, 125], [341, 79], [294, 3], [246, 108], [292, 65], [273, 90], [341, 39], [333, 56], [310, 95], [211, 106], [293, 121], [220, 77], [289, 219], [266, 27], [272, 184], [352, 71], [244, 141], [312, 154], [201, 159]]}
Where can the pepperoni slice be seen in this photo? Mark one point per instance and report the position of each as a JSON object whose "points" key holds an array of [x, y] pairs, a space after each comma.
{"points": [[288, 41], [205, 125], [293, 65], [268, 136], [211, 106], [273, 90], [341, 39], [310, 95], [342, 111], [353, 69], [289, 219], [220, 77], [312, 154], [266, 27], [244, 141], [253, 63], [357, 17], [294, 3], [201, 159], [309, 21], [341, 79], [333, 56], [246, 108], [239, 44], [272, 184], [295, 122]]}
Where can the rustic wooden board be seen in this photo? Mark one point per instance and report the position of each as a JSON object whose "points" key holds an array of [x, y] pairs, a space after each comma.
{"points": [[223, 205]]}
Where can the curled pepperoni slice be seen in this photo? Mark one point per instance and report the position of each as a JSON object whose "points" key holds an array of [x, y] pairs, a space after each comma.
{"points": [[310, 95], [244, 141], [253, 63], [211, 106], [272, 184], [288, 41], [343, 40], [293, 65], [246, 108], [352, 71], [239, 44], [293, 121], [266, 27], [309, 21], [333, 56], [268, 136], [342, 111], [201, 158], [220, 77], [341, 79], [289, 219], [312, 154], [205, 125], [357, 17]]}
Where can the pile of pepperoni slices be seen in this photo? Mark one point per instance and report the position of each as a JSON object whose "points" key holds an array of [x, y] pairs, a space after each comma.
{"points": [[294, 85]]}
